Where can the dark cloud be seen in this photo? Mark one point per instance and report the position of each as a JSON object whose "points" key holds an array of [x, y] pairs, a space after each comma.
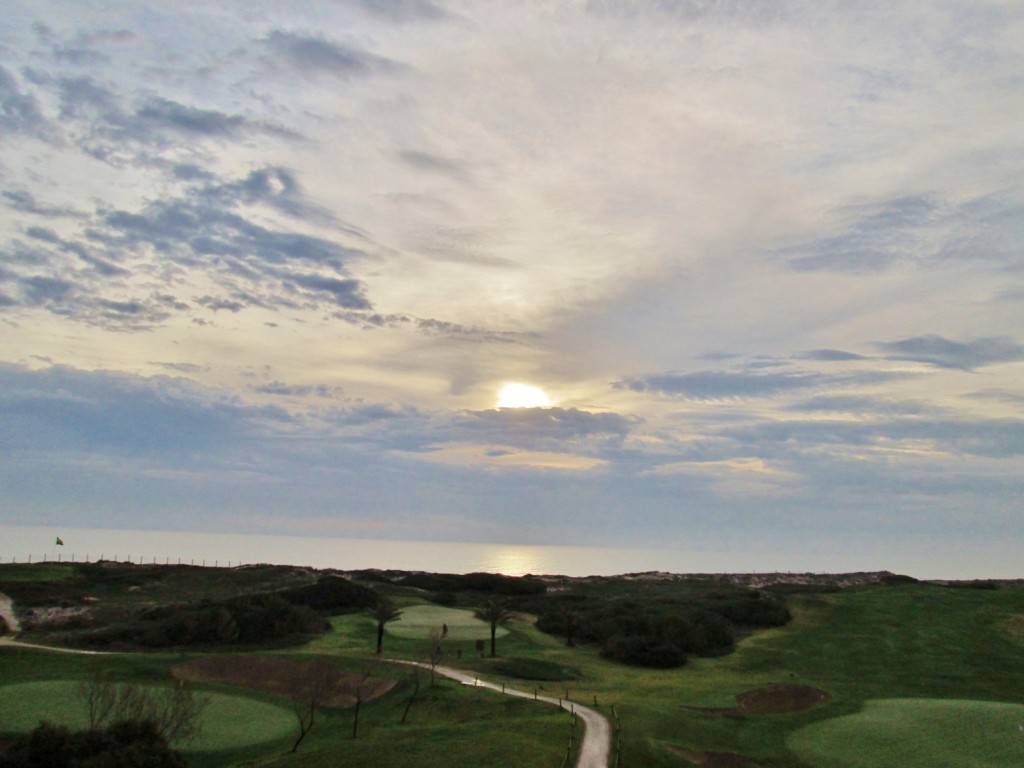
{"points": [[298, 390], [995, 438], [403, 10], [163, 113], [20, 112], [879, 235], [424, 161], [689, 11], [180, 367], [915, 230], [349, 294], [25, 202], [721, 385], [317, 55], [62, 408], [829, 355], [862, 405], [542, 427], [78, 56], [943, 353]]}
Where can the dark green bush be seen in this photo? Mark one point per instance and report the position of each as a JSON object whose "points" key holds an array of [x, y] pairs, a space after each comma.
{"points": [[643, 651]]}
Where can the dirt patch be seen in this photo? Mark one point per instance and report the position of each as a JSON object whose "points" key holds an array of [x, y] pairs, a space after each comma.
{"points": [[715, 759], [773, 700], [282, 677]]}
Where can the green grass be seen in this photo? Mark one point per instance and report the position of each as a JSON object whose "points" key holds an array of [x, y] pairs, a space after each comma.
{"points": [[917, 733], [417, 621], [25, 572], [229, 722], [866, 647]]}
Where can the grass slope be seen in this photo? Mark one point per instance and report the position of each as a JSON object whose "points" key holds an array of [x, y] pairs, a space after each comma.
{"points": [[917, 733]]}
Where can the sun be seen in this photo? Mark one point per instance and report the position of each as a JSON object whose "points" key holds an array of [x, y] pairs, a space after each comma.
{"points": [[516, 395]]}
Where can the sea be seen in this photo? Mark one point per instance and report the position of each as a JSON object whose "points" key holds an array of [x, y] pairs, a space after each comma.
{"points": [[35, 544]]}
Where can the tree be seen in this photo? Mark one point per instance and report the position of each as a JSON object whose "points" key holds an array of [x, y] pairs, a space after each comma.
{"points": [[434, 650], [309, 686], [125, 744], [384, 613], [175, 711], [494, 613], [366, 688]]}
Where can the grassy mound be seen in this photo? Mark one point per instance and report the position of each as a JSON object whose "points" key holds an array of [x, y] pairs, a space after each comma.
{"points": [[417, 621], [917, 733], [276, 675], [537, 669], [229, 722]]}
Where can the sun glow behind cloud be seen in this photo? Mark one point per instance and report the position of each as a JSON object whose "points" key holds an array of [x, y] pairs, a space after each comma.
{"points": [[516, 395]]}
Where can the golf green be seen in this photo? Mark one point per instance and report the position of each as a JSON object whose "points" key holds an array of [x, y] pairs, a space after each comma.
{"points": [[917, 733], [229, 722], [418, 621]]}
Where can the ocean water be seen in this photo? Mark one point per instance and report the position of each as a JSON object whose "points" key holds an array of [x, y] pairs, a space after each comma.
{"points": [[38, 543], [22, 543]]}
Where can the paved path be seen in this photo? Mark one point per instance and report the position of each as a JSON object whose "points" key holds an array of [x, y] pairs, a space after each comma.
{"points": [[596, 747], [7, 612]]}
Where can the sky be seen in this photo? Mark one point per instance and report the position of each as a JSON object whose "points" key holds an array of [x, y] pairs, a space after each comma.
{"points": [[755, 268]]}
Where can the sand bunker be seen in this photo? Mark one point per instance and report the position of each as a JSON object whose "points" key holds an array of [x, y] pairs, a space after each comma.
{"points": [[280, 676], [773, 700], [715, 759]]}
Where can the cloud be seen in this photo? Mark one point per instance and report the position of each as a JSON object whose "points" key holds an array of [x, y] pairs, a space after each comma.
{"points": [[722, 385], [425, 161], [64, 409], [943, 353], [830, 355], [163, 113], [20, 112], [314, 54], [403, 10], [25, 202]]}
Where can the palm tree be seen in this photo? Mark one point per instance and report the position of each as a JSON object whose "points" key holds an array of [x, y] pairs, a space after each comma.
{"points": [[494, 613], [384, 613]]}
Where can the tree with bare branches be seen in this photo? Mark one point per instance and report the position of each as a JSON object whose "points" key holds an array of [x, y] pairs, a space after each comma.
{"points": [[309, 686], [176, 711], [434, 650]]}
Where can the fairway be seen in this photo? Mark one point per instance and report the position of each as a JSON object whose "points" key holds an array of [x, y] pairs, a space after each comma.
{"points": [[417, 621], [229, 722], [917, 733]]}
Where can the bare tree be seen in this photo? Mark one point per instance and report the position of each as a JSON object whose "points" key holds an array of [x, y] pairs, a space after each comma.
{"points": [[366, 688], [309, 686], [384, 613], [415, 691], [494, 613], [176, 711], [434, 651], [99, 692]]}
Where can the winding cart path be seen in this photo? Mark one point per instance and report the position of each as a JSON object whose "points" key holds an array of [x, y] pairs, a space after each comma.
{"points": [[596, 747]]}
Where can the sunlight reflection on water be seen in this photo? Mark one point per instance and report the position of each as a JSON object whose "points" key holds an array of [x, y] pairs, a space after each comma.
{"points": [[38, 542]]}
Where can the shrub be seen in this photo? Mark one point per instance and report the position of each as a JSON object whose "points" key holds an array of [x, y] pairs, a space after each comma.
{"points": [[643, 651]]}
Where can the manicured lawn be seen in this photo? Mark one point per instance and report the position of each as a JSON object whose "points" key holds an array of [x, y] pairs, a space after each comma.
{"points": [[917, 733], [417, 621], [229, 722]]}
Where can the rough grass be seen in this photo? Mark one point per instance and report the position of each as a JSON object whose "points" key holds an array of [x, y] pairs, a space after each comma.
{"points": [[417, 621], [26, 572], [917, 733], [229, 722]]}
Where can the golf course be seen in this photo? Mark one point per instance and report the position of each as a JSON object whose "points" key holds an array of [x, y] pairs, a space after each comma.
{"points": [[887, 672]]}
